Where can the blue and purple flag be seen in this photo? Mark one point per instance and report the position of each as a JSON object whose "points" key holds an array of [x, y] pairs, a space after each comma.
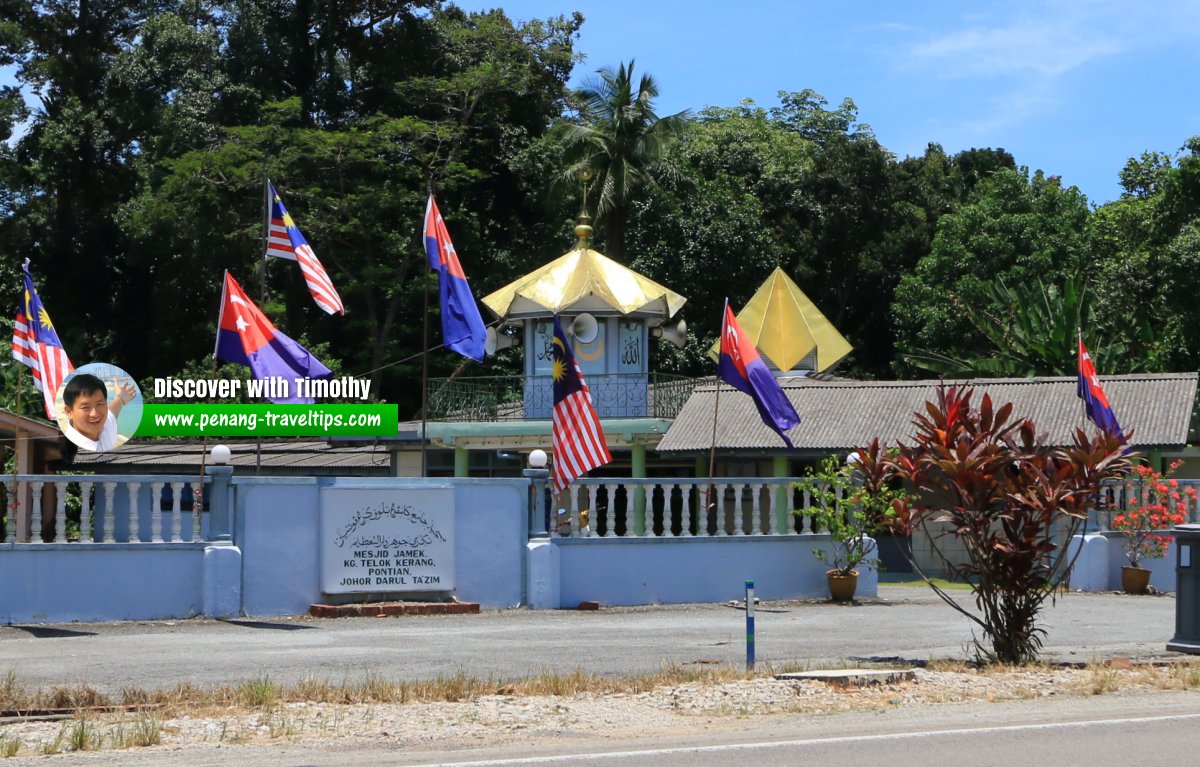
{"points": [[741, 367], [463, 330], [246, 337], [1095, 402]]}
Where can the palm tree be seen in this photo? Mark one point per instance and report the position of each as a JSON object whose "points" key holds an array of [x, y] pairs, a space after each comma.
{"points": [[620, 139]]}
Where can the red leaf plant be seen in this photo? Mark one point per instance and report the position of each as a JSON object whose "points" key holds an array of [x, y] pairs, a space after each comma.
{"points": [[984, 479]]}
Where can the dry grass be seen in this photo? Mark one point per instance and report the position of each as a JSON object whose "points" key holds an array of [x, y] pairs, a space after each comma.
{"points": [[266, 695], [263, 709]]}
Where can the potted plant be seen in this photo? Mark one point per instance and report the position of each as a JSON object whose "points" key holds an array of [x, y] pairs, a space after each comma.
{"points": [[851, 505], [1153, 503]]}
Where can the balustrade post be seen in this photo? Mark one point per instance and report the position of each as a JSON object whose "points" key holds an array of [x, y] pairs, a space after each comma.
{"points": [[805, 505], [10, 512], [198, 510], [156, 535], [85, 512], [110, 493], [176, 505], [739, 504], [133, 524], [631, 511], [755, 500], [721, 513], [60, 512], [610, 511], [35, 528]]}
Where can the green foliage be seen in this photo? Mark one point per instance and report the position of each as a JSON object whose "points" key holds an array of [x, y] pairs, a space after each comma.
{"points": [[1016, 229], [852, 505], [619, 141], [1032, 329]]}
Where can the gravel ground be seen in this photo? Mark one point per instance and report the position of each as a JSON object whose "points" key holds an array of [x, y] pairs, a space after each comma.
{"points": [[501, 720]]}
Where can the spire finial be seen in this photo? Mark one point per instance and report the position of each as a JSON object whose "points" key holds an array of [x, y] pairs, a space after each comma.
{"points": [[583, 224]]}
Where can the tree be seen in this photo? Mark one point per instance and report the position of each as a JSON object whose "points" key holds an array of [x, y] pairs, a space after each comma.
{"points": [[1016, 229], [620, 139], [985, 478], [1031, 329], [354, 158]]}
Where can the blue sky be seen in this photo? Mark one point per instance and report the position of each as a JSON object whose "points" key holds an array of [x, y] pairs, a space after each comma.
{"points": [[1074, 88]]}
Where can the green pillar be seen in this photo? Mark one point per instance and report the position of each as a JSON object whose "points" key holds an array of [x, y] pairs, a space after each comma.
{"points": [[1156, 460], [779, 468], [462, 462], [639, 494]]}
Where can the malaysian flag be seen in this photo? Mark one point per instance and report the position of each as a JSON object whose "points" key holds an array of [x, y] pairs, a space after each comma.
{"points": [[577, 439], [285, 241], [36, 345]]}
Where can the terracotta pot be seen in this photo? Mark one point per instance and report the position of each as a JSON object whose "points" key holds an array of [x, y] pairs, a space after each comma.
{"points": [[842, 587], [1135, 580]]}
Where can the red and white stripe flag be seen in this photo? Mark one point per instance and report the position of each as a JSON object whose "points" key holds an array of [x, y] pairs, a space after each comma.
{"points": [[284, 240], [576, 436], [36, 345]]}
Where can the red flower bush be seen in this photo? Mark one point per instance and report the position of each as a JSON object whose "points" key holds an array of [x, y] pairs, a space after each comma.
{"points": [[1153, 502]]}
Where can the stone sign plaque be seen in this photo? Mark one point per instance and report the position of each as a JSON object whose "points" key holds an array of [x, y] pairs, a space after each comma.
{"points": [[387, 539]]}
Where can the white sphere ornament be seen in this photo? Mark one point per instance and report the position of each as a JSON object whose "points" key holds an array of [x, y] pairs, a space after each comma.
{"points": [[220, 454]]}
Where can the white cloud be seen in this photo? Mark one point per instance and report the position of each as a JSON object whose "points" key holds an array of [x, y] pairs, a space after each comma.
{"points": [[1030, 47]]}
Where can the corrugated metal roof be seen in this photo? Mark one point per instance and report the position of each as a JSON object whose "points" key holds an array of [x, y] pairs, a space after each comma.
{"points": [[283, 457], [841, 415]]}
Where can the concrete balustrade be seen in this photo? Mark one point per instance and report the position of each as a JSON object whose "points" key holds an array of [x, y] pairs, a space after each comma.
{"points": [[678, 507], [85, 508]]}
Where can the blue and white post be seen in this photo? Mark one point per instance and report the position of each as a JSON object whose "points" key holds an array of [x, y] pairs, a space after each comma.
{"points": [[749, 625]]}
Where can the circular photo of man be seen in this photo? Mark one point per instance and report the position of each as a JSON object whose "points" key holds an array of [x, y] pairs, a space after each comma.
{"points": [[99, 406]]}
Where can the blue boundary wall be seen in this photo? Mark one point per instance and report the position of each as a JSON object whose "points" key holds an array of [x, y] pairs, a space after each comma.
{"points": [[278, 523], [1098, 567], [638, 571], [262, 557], [58, 582]]}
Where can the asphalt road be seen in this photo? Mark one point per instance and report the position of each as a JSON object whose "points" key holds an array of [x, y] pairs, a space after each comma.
{"points": [[908, 622]]}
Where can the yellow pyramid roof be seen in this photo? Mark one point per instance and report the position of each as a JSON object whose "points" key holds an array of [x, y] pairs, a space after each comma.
{"points": [[786, 326], [583, 275]]}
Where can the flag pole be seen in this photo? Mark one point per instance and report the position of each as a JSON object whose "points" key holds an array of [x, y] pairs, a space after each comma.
{"points": [[425, 345], [712, 452], [266, 232], [14, 501], [262, 298]]}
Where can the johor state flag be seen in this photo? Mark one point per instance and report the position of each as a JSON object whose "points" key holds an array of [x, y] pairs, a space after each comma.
{"points": [[1094, 400], [285, 241], [246, 337], [742, 368], [36, 345], [462, 327]]}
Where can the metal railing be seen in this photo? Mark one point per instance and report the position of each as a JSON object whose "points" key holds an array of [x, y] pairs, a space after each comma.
{"points": [[531, 398]]}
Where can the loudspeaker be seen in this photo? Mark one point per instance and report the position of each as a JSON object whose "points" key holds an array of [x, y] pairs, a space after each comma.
{"points": [[585, 328], [675, 332], [499, 338]]}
